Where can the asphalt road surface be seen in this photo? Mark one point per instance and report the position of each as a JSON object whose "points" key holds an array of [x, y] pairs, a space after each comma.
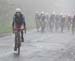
{"points": [[39, 47]]}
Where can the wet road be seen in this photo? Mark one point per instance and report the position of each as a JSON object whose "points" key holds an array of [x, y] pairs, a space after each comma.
{"points": [[39, 47]]}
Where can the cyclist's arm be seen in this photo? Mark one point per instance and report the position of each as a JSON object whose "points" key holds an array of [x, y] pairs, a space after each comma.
{"points": [[24, 24], [13, 24]]}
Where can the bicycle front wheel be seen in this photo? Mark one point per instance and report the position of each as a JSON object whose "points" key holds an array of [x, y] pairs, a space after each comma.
{"points": [[19, 43], [18, 50]]}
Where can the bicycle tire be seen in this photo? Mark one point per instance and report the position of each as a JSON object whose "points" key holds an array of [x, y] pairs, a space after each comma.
{"points": [[18, 50], [18, 42]]}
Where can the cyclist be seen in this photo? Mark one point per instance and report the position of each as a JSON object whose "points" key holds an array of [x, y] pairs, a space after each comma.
{"points": [[42, 20], [18, 22], [62, 22], [37, 19], [73, 25], [57, 19], [52, 21], [68, 22]]}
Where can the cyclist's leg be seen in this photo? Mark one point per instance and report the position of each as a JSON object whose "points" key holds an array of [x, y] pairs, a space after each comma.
{"points": [[22, 36]]}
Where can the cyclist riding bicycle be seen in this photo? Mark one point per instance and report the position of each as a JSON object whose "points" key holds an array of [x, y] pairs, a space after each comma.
{"points": [[73, 25], [18, 24]]}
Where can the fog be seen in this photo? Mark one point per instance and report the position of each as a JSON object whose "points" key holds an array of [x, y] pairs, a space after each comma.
{"points": [[30, 6]]}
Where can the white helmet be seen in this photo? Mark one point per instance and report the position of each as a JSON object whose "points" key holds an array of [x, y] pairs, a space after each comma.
{"points": [[53, 12], [61, 13], [42, 12], [18, 10]]}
